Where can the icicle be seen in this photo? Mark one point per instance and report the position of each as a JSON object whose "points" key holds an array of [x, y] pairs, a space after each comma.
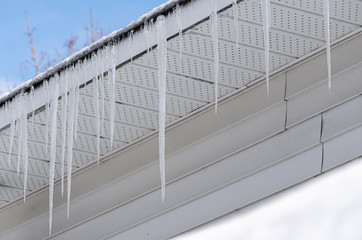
{"points": [[131, 44], [112, 93], [96, 103], [265, 6], [54, 86], [147, 35], [20, 136], [102, 90], [236, 23], [12, 127], [24, 141], [328, 40], [71, 118], [64, 125], [179, 25], [32, 107], [215, 43], [162, 64], [79, 79], [47, 114]]}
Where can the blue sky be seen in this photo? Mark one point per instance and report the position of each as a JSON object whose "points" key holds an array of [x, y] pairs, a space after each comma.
{"points": [[54, 22]]}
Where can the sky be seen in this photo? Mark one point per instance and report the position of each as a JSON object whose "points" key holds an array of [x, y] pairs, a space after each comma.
{"points": [[54, 22], [327, 207]]}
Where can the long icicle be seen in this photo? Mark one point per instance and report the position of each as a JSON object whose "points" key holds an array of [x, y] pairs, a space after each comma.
{"points": [[215, 44], [162, 64], [71, 118], [236, 23], [46, 86], [96, 103], [328, 40], [102, 89], [179, 26], [24, 116], [54, 88], [64, 125], [112, 93], [265, 6]]}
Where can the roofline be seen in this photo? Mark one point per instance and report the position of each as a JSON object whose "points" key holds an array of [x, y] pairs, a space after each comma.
{"points": [[88, 50]]}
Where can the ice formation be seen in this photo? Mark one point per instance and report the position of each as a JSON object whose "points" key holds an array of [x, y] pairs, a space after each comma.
{"points": [[112, 92], [236, 23], [215, 44], [162, 64], [96, 101], [265, 7], [328, 40], [65, 81], [179, 26], [54, 89]]}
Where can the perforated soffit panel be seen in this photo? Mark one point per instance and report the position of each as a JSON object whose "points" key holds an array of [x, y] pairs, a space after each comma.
{"points": [[297, 29]]}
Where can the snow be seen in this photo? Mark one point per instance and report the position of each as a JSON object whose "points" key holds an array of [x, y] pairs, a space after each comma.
{"points": [[162, 64], [215, 44]]}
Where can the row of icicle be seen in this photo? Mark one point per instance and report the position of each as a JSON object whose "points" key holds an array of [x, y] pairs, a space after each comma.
{"points": [[66, 84]]}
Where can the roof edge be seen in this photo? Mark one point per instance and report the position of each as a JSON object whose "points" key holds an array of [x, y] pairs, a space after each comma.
{"points": [[86, 51]]}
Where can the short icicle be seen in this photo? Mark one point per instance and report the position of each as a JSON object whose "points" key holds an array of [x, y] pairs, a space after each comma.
{"points": [[236, 23], [162, 64], [53, 88], [79, 79], [32, 107], [131, 44], [265, 6], [12, 128], [215, 44], [326, 14], [20, 134], [179, 26]]}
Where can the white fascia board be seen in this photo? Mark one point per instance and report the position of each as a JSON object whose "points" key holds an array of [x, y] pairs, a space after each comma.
{"points": [[345, 85], [227, 198], [204, 180], [342, 149], [342, 118]]}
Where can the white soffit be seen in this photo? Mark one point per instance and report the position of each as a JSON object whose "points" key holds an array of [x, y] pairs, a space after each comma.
{"points": [[297, 29]]}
